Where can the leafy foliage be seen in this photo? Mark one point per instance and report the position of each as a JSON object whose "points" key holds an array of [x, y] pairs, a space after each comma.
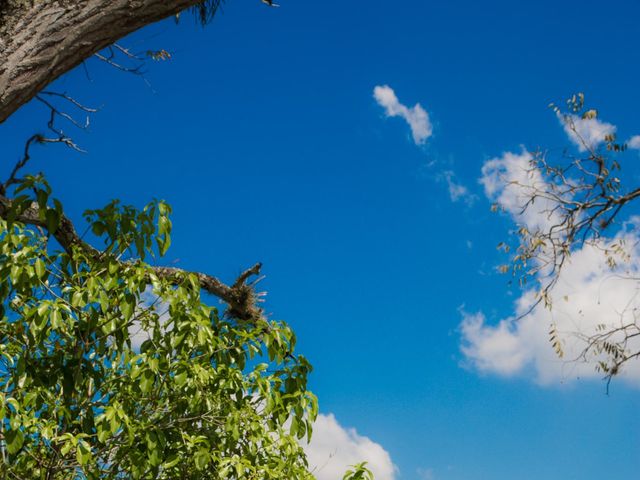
{"points": [[203, 396], [358, 472]]}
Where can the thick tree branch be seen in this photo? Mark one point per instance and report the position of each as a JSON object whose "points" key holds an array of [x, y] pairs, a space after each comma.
{"points": [[41, 40], [240, 297]]}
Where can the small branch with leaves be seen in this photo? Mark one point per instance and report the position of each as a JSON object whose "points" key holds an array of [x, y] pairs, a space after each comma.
{"points": [[240, 296], [580, 199]]}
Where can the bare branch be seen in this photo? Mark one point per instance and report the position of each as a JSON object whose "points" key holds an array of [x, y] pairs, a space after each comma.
{"points": [[70, 99], [109, 60], [581, 200], [36, 138]]}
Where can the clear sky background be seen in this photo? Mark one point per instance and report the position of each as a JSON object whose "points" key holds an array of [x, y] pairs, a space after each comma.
{"points": [[263, 133]]}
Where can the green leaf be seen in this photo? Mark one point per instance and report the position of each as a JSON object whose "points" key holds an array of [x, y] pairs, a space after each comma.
{"points": [[146, 380], [15, 440], [104, 301], [83, 452], [56, 319], [127, 306], [172, 461], [40, 268], [202, 458], [180, 378]]}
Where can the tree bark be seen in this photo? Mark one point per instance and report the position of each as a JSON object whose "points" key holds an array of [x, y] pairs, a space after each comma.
{"points": [[42, 39]]}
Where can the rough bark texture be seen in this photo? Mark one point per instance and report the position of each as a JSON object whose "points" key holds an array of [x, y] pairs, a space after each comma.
{"points": [[42, 39]]}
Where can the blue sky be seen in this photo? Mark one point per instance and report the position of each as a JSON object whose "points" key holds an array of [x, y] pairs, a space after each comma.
{"points": [[263, 133]]}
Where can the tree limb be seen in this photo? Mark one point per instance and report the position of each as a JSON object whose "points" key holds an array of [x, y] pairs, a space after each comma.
{"points": [[240, 297], [41, 40]]}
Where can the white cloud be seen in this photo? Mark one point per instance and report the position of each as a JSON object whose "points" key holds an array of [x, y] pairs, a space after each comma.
{"points": [[585, 133], [148, 301], [457, 191], [416, 117], [634, 142], [510, 181], [426, 474], [491, 349], [137, 335], [588, 293], [334, 448]]}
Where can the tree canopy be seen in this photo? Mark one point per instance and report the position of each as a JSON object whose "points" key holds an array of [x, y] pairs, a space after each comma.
{"points": [[204, 395]]}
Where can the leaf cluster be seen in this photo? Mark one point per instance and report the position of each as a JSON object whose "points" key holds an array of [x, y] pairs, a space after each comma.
{"points": [[108, 371]]}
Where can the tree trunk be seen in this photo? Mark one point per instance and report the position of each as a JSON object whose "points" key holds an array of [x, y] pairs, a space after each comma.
{"points": [[42, 39]]}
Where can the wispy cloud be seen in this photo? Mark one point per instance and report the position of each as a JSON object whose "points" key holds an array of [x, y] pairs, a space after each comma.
{"points": [[334, 448], [416, 116], [457, 191], [421, 130], [426, 474], [634, 142], [585, 133]]}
